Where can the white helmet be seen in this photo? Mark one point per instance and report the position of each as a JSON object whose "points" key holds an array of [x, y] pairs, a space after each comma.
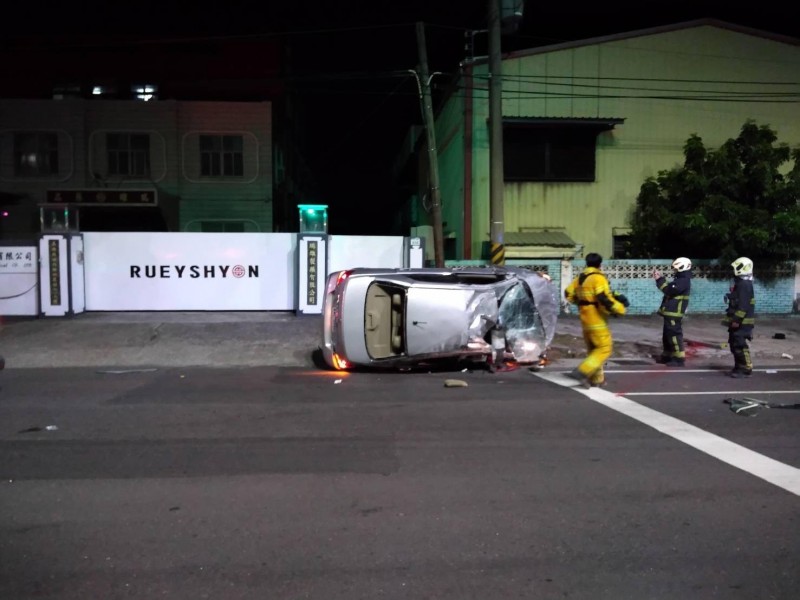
{"points": [[682, 264], [742, 266]]}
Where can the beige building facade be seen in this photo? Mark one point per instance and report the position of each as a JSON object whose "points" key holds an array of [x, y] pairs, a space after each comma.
{"points": [[205, 166]]}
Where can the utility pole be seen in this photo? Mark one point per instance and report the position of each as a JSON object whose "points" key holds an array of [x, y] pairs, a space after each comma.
{"points": [[496, 217], [427, 109]]}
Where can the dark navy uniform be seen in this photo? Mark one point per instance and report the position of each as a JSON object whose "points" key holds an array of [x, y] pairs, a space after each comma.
{"points": [[673, 308], [740, 319]]}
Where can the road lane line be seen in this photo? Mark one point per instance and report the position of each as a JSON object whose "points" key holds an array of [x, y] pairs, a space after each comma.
{"points": [[763, 467], [679, 370], [731, 393]]}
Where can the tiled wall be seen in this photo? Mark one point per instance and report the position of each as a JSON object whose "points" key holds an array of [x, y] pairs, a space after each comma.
{"points": [[634, 279]]}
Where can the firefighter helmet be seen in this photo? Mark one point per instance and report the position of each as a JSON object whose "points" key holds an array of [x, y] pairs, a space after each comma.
{"points": [[742, 266], [682, 264]]}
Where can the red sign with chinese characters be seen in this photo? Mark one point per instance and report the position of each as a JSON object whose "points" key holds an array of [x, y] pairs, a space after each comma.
{"points": [[103, 197]]}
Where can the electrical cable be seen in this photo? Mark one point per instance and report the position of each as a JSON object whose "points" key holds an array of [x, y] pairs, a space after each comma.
{"points": [[20, 294]]}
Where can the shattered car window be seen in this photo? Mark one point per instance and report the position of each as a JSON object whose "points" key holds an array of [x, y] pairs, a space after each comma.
{"points": [[526, 337]]}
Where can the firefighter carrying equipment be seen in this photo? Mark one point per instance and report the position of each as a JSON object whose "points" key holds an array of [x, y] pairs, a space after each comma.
{"points": [[675, 302], [591, 292], [622, 299]]}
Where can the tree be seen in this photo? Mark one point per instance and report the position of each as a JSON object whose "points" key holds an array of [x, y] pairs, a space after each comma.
{"points": [[742, 199]]}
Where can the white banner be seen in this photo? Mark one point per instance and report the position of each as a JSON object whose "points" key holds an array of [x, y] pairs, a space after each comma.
{"points": [[77, 279], [312, 257], [18, 259], [189, 271], [19, 269], [54, 276]]}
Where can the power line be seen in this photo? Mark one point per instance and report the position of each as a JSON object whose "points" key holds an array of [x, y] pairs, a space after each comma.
{"points": [[721, 97], [647, 79]]}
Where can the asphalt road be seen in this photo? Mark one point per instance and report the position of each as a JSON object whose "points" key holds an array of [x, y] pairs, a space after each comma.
{"points": [[289, 483]]}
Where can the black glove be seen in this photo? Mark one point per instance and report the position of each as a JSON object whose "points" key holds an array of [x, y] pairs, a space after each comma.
{"points": [[622, 299]]}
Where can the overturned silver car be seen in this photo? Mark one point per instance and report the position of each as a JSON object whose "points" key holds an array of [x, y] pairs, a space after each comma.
{"points": [[394, 318]]}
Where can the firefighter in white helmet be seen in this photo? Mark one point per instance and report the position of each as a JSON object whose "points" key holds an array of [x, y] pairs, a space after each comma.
{"points": [[673, 308], [740, 316]]}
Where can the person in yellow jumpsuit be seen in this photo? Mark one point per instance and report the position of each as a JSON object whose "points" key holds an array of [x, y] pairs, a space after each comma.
{"points": [[593, 296]]}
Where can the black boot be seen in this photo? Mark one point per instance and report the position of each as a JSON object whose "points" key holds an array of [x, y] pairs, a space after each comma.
{"points": [[740, 374], [580, 377]]}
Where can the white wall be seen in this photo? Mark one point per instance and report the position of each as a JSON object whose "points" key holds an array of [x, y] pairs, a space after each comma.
{"points": [[198, 271], [352, 251]]}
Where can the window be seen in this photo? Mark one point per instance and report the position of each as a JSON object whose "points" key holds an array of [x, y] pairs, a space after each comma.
{"points": [[221, 156], [548, 154], [222, 226], [35, 154], [128, 154], [621, 244], [552, 148]]}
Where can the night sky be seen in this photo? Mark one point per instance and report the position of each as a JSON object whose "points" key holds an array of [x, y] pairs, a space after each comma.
{"points": [[349, 56]]}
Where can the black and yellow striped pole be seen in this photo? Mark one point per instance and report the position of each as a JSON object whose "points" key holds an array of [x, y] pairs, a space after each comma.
{"points": [[497, 253]]}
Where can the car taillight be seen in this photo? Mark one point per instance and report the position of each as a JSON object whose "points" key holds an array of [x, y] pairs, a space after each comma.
{"points": [[333, 283], [339, 363], [342, 276]]}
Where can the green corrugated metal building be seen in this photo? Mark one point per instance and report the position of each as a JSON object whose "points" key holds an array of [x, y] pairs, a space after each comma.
{"points": [[585, 123]]}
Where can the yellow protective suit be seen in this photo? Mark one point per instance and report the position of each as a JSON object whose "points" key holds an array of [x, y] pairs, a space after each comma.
{"points": [[591, 293]]}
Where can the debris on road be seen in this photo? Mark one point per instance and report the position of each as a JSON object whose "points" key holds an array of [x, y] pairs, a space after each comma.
{"points": [[455, 383], [35, 429], [750, 406], [745, 407], [124, 371]]}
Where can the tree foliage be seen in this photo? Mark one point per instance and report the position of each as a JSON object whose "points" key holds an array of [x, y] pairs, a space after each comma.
{"points": [[742, 199]]}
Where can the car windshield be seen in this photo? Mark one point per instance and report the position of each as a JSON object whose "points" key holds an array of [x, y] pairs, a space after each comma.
{"points": [[525, 334]]}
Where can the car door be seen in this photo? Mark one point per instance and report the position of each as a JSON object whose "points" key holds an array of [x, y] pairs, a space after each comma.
{"points": [[443, 319]]}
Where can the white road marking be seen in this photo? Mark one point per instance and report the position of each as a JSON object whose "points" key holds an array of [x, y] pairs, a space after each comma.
{"points": [[730, 393], [763, 467], [679, 370]]}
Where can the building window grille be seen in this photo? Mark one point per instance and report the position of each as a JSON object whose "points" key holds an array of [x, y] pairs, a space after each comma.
{"points": [[221, 156], [222, 226], [35, 154], [621, 243], [128, 154]]}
